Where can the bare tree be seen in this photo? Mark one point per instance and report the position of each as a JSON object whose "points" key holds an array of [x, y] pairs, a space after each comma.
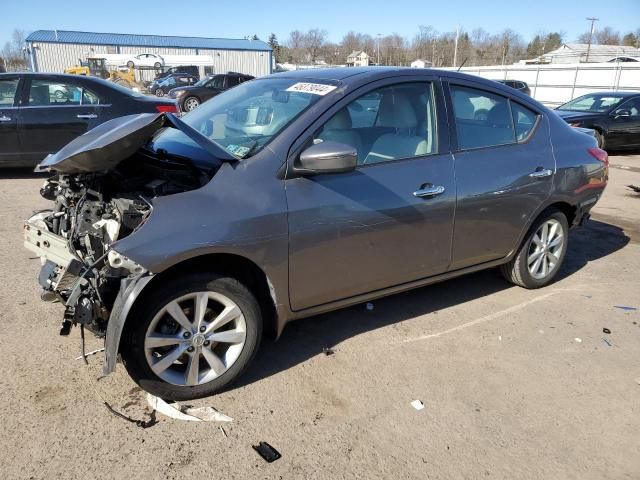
{"points": [[313, 41], [607, 36]]}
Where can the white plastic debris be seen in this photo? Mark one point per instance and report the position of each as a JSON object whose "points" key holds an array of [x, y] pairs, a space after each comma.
{"points": [[417, 404], [92, 352], [189, 414], [541, 332], [369, 306], [578, 340], [500, 338]]}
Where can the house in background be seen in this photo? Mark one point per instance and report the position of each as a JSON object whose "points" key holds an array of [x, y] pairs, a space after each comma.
{"points": [[421, 63], [358, 59], [577, 53]]}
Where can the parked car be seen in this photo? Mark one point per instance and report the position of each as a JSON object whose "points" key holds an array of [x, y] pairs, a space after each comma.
{"points": [[615, 117], [145, 60], [40, 113], [192, 70], [625, 59], [190, 98], [182, 240], [517, 84], [162, 86]]}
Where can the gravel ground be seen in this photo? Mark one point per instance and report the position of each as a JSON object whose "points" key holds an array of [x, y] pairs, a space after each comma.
{"points": [[509, 390]]}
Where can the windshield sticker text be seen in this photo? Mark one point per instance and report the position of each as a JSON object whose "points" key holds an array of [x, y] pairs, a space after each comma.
{"points": [[313, 88]]}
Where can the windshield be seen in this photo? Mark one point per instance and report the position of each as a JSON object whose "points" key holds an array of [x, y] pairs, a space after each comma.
{"points": [[201, 82], [244, 119], [593, 103]]}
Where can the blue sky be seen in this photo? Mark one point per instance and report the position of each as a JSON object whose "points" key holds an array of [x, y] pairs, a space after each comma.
{"points": [[236, 19]]}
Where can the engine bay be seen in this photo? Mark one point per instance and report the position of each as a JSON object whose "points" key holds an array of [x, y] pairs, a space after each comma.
{"points": [[92, 211]]}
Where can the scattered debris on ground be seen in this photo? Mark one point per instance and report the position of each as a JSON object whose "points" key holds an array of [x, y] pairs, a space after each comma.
{"points": [[328, 351], [626, 308], [578, 340], [267, 452], [635, 188], [606, 330], [190, 414], [606, 341], [417, 404]]}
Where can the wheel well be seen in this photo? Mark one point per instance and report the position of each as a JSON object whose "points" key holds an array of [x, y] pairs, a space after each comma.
{"points": [[568, 210], [236, 266]]}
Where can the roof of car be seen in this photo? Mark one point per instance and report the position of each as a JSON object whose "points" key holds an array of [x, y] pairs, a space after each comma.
{"points": [[620, 93]]}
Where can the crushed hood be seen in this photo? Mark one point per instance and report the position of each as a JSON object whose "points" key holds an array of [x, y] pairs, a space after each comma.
{"points": [[104, 147]]}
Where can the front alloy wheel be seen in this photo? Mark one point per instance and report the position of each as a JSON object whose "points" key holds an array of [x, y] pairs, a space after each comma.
{"points": [[191, 103], [195, 338], [191, 336]]}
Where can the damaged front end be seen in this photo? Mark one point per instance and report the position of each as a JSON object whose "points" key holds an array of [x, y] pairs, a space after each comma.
{"points": [[102, 188]]}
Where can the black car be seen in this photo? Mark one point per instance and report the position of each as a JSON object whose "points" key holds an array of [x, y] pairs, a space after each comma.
{"points": [[160, 87], [517, 84], [40, 113], [188, 69], [615, 117], [190, 98]]}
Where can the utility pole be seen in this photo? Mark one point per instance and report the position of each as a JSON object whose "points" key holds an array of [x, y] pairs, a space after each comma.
{"points": [[379, 35], [593, 21], [455, 48]]}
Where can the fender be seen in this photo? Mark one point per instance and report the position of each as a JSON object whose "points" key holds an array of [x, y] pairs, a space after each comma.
{"points": [[130, 289]]}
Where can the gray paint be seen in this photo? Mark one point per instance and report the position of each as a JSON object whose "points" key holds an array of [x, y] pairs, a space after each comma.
{"points": [[327, 241]]}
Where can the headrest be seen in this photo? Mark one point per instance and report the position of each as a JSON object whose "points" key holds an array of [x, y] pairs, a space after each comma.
{"points": [[499, 115], [340, 121], [396, 111]]}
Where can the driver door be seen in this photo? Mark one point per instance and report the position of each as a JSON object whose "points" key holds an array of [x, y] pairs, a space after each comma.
{"points": [[624, 129], [356, 232]]}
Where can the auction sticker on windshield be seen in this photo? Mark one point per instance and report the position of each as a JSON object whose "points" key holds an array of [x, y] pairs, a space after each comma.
{"points": [[314, 88]]}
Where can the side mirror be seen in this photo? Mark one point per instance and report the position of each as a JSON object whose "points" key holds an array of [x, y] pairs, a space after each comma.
{"points": [[622, 113], [327, 157]]}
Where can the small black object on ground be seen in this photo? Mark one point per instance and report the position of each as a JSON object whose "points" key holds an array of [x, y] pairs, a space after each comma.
{"points": [[267, 452], [328, 351], [606, 330]]}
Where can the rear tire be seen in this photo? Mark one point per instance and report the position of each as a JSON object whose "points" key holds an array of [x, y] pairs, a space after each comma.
{"points": [[159, 92], [220, 355], [130, 64], [600, 139], [541, 254]]}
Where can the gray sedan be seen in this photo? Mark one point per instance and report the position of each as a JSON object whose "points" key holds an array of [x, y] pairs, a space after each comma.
{"points": [[183, 240]]}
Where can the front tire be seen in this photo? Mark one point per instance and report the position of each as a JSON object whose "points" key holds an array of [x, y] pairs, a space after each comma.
{"points": [[192, 336], [541, 254], [130, 64], [190, 103], [600, 139], [159, 92]]}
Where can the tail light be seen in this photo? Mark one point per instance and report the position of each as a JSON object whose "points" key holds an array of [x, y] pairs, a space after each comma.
{"points": [[167, 108], [599, 154]]}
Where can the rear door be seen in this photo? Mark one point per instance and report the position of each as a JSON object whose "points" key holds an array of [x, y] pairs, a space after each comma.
{"points": [[55, 110], [504, 170], [9, 98]]}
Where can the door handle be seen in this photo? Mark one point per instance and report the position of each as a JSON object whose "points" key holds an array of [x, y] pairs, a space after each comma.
{"points": [[88, 116], [429, 191], [541, 173], [4, 118]]}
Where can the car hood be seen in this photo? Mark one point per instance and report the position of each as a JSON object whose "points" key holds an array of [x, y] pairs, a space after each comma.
{"points": [[188, 88], [573, 115], [104, 147]]}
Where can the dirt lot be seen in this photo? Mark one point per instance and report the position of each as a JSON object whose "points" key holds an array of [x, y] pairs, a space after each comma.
{"points": [[509, 390]]}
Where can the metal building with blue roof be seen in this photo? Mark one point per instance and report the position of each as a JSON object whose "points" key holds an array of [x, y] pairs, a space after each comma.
{"points": [[55, 50]]}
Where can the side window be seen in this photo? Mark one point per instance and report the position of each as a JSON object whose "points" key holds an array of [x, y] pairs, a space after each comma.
{"points": [[8, 92], [523, 119], [208, 70], [482, 118], [389, 123], [632, 106], [89, 98], [50, 92]]}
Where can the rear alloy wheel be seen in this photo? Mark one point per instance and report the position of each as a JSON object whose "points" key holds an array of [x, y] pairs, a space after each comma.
{"points": [[192, 343], [191, 103], [542, 253], [600, 139], [130, 64], [159, 92]]}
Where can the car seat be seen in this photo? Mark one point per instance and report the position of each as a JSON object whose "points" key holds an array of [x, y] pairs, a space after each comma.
{"points": [[338, 129], [396, 112]]}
